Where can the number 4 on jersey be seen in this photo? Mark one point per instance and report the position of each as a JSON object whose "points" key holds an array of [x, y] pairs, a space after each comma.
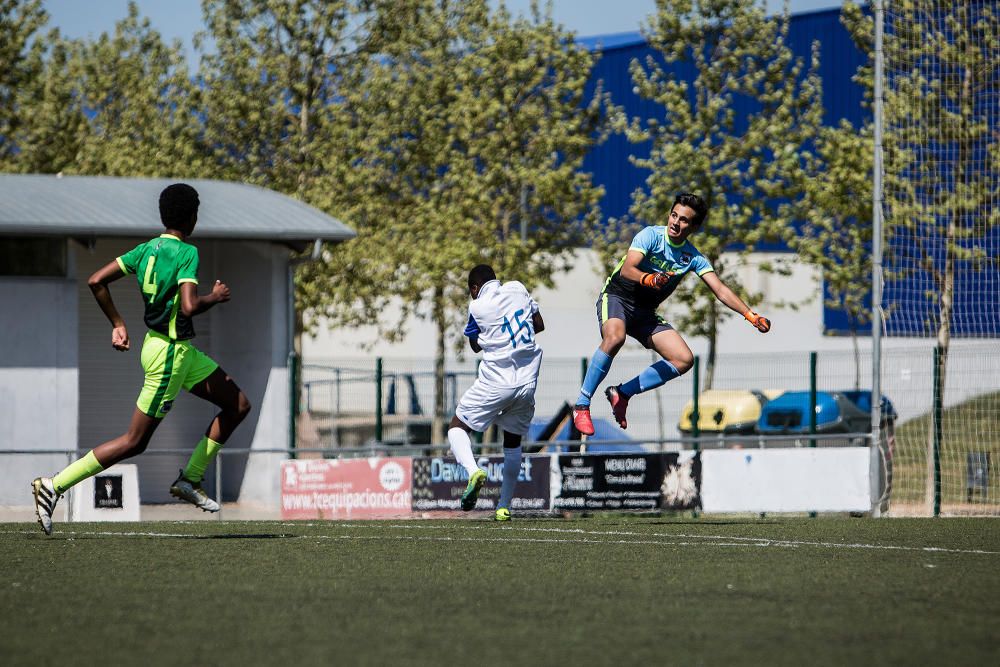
{"points": [[521, 324], [149, 281]]}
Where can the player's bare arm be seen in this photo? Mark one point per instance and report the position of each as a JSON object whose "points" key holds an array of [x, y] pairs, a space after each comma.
{"points": [[631, 271], [193, 304], [537, 322], [98, 284], [474, 344], [734, 302]]}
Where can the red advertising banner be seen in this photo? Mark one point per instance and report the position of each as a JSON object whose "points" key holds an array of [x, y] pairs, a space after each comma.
{"points": [[375, 488]]}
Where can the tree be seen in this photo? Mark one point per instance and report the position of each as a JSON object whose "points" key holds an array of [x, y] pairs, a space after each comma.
{"points": [[34, 96], [271, 88], [20, 63], [468, 134], [836, 233], [738, 108], [136, 96]]}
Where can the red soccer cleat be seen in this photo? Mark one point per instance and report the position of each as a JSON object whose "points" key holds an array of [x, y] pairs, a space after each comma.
{"points": [[619, 404], [582, 421]]}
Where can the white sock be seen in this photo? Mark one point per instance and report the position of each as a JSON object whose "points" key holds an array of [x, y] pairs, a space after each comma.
{"points": [[511, 471], [461, 447]]}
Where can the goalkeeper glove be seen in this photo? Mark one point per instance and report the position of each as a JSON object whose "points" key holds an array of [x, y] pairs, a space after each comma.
{"points": [[762, 323], [655, 280]]}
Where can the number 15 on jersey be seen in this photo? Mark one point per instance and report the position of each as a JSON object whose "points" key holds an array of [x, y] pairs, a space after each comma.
{"points": [[522, 325]]}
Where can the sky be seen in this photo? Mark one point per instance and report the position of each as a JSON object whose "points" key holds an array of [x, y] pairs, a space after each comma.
{"points": [[182, 18]]}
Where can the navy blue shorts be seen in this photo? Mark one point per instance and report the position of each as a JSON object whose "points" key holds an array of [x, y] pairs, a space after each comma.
{"points": [[640, 323]]}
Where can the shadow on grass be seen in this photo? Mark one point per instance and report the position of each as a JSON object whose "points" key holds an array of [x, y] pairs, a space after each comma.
{"points": [[242, 536], [165, 536]]}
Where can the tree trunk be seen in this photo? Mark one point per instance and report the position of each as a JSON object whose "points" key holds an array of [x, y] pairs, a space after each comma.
{"points": [[437, 421], [947, 282]]}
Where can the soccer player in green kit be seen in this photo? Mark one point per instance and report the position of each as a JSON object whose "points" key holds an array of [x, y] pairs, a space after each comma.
{"points": [[166, 270]]}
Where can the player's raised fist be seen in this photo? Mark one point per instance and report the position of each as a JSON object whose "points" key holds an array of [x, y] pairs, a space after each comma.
{"points": [[221, 291], [762, 323]]}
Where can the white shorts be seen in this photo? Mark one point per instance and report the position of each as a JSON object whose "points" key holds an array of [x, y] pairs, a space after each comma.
{"points": [[510, 408]]}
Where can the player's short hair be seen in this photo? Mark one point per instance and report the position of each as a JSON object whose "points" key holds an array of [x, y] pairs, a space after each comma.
{"points": [[695, 203], [178, 202], [481, 275]]}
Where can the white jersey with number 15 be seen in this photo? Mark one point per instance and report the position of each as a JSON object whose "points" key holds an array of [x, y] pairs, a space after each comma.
{"points": [[500, 318]]}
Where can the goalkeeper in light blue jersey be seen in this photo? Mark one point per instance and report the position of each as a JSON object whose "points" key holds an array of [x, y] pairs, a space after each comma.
{"points": [[656, 262]]}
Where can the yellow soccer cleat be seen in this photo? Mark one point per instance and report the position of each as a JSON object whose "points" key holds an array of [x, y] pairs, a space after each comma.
{"points": [[471, 495], [502, 514]]}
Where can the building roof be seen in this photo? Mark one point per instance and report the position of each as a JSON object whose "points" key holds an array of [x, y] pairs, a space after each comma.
{"points": [[42, 205], [611, 41]]}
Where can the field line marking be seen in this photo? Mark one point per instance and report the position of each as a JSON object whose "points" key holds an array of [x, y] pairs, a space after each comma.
{"points": [[689, 536], [716, 540]]}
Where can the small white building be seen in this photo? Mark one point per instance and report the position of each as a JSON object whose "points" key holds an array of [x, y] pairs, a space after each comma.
{"points": [[62, 385]]}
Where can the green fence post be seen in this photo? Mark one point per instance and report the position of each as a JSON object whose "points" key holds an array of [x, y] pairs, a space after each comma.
{"points": [[812, 397], [695, 415], [583, 369], [812, 405], [937, 417], [378, 399]]}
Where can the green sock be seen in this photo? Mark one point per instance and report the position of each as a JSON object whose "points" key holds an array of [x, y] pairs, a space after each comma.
{"points": [[76, 472], [200, 458]]}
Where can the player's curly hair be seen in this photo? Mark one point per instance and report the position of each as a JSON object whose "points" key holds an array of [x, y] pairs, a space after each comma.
{"points": [[695, 203], [178, 202], [481, 274]]}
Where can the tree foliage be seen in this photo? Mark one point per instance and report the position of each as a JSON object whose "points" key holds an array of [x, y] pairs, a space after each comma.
{"points": [[738, 108], [270, 88], [836, 214], [136, 94], [118, 105], [467, 134], [26, 92]]}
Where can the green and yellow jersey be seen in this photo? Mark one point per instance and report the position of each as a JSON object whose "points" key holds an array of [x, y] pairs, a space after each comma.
{"points": [[160, 266]]}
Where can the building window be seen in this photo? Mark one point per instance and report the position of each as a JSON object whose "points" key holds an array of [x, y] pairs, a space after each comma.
{"points": [[33, 257]]}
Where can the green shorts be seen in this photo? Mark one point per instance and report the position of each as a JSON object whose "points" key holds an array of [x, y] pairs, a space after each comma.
{"points": [[169, 365]]}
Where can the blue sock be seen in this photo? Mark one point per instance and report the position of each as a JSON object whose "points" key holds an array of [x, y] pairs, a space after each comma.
{"points": [[511, 471], [650, 378], [600, 364]]}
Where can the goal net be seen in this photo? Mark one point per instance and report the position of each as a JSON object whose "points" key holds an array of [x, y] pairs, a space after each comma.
{"points": [[941, 231]]}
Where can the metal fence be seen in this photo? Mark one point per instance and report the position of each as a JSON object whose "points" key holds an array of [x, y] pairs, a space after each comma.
{"points": [[952, 421], [215, 483], [945, 451]]}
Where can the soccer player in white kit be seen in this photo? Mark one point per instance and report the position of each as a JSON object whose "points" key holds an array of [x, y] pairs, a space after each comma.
{"points": [[503, 321]]}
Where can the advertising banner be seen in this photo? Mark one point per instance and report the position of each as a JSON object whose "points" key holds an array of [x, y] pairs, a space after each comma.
{"points": [[788, 479], [627, 482], [374, 488], [438, 484]]}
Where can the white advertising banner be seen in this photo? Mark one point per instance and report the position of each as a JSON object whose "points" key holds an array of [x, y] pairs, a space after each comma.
{"points": [[830, 479]]}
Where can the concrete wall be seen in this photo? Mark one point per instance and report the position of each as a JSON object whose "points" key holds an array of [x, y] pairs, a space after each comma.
{"points": [[38, 379], [250, 343], [571, 320]]}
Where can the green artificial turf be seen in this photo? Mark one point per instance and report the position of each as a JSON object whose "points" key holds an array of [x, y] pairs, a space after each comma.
{"points": [[613, 590]]}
